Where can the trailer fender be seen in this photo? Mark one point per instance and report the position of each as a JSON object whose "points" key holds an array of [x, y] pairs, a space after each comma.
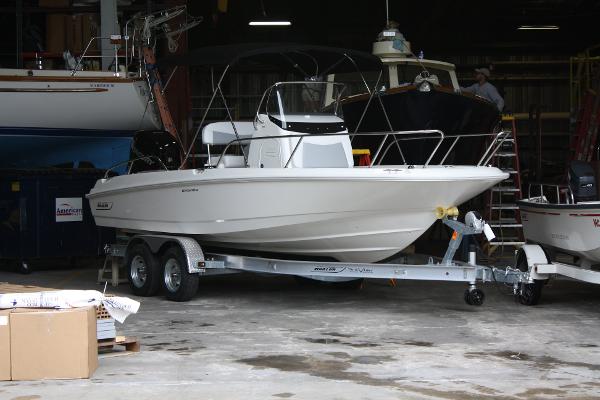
{"points": [[535, 255], [192, 250]]}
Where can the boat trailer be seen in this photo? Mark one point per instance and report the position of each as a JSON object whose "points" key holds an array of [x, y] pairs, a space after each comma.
{"points": [[176, 263]]}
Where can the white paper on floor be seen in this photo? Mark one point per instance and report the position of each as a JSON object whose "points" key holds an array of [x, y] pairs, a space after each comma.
{"points": [[118, 307]]}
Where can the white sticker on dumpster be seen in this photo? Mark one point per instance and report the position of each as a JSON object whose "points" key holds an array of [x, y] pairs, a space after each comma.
{"points": [[3, 320], [69, 209]]}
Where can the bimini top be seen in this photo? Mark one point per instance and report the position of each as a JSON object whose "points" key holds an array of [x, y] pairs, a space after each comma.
{"points": [[307, 59]]}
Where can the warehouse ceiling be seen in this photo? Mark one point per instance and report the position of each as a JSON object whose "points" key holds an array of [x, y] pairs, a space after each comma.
{"points": [[438, 27]]}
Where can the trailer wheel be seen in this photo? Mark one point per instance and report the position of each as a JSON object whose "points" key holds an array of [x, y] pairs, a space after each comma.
{"points": [[143, 270], [529, 293], [178, 282]]}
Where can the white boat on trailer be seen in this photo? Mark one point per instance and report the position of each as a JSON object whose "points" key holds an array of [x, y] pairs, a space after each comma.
{"points": [[560, 219], [292, 189], [348, 214]]}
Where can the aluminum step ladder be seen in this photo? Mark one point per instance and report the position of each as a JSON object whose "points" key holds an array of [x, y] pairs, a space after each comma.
{"points": [[502, 209]]}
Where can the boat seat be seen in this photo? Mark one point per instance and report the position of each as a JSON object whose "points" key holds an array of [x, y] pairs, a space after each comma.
{"points": [[227, 161], [221, 133]]}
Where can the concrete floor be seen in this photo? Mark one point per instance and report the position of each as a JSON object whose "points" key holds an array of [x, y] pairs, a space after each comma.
{"points": [[254, 337]]}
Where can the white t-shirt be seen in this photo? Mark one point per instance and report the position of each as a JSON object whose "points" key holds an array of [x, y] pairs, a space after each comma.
{"points": [[488, 92]]}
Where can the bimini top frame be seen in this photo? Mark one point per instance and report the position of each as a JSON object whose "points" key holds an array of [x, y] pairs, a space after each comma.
{"points": [[312, 62]]}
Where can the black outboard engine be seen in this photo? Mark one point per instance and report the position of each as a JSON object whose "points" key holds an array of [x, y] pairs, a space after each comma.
{"points": [[582, 181], [154, 150]]}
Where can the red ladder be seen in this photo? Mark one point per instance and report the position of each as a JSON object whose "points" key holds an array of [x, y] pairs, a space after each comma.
{"points": [[503, 212], [585, 137], [161, 101]]}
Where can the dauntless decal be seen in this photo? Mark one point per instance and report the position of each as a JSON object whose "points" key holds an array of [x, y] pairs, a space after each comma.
{"points": [[102, 85], [104, 205]]}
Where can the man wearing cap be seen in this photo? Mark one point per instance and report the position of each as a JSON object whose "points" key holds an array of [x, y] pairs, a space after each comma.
{"points": [[485, 89]]}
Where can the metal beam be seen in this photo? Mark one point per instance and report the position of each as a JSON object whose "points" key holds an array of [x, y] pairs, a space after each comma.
{"points": [[109, 25], [19, 32]]}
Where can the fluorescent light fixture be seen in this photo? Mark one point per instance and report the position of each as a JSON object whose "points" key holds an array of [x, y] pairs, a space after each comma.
{"points": [[538, 28], [270, 23]]}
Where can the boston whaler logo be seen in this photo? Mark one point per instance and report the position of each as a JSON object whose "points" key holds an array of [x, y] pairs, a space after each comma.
{"points": [[337, 270], [104, 205]]}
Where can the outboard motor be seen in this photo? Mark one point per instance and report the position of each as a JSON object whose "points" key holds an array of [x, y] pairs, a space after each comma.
{"points": [[582, 181], [154, 150]]}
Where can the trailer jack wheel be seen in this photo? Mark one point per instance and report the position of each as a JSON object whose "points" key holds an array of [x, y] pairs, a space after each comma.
{"points": [[474, 297]]}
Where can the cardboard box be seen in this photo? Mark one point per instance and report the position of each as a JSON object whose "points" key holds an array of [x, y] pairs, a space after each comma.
{"points": [[53, 344], [4, 345]]}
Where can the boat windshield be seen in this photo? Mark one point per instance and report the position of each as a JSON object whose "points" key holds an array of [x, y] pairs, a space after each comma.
{"points": [[305, 100], [408, 73], [395, 75]]}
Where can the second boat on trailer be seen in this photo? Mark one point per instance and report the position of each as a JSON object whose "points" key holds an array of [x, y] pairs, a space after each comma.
{"points": [[560, 219]]}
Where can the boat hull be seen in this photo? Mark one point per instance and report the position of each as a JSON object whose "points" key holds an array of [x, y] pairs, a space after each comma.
{"points": [[51, 118], [350, 214], [32, 148], [569, 228], [409, 109]]}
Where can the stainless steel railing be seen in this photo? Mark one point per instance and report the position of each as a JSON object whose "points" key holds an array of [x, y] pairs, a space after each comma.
{"points": [[116, 56], [130, 164], [491, 149], [555, 189]]}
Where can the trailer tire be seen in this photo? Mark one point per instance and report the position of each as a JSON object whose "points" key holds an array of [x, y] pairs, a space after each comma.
{"points": [[143, 270], [179, 283], [529, 293]]}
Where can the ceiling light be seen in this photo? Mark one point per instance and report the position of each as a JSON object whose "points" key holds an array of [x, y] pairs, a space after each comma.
{"points": [[538, 27], [266, 20], [270, 23]]}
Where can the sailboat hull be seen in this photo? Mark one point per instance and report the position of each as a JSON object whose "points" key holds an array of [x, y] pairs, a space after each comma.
{"points": [[51, 118]]}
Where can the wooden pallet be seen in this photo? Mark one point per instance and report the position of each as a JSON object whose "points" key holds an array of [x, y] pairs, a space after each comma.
{"points": [[131, 343], [6, 287]]}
